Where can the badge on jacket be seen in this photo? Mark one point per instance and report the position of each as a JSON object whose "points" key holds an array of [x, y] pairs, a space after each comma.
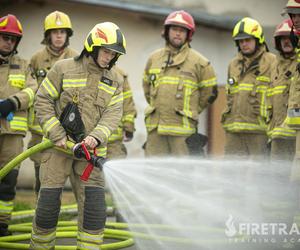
{"points": [[106, 81]]}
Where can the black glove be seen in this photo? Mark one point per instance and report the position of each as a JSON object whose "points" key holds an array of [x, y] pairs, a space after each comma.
{"points": [[6, 107]]}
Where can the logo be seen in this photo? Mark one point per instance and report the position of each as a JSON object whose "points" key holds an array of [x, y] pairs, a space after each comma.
{"points": [[72, 117], [230, 230], [58, 19], [101, 34], [255, 28]]}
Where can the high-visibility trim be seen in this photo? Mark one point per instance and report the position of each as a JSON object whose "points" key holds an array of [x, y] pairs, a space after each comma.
{"points": [[53, 121], [168, 129], [109, 89], [117, 135], [19, 123], [51, 90], [104, 130], [74, 83], [101, 151], [277, 90], [43, 241], [292, 120], [244, 126], [263, 107], [36, 128], [186, 107], [240, 87], [115, 99], [261, 89], [127, 94], [281, 132], [263, 79], [128, 118], [150, 126], [17, 80], [30, 94], [208, 83], [6, 207], [86, 241], [154, 71]]}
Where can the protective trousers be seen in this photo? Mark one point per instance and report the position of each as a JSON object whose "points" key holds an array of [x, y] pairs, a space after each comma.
{"points": [[283, 150], [246, 145], [55, 168], [165, 145], [36, 158], [10, 147]]}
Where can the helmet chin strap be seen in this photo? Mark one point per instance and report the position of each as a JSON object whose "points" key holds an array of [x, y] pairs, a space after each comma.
{"points": [[6, 54]]}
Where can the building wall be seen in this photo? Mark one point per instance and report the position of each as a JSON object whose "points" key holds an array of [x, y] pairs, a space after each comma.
{"points": [[143, 36]]}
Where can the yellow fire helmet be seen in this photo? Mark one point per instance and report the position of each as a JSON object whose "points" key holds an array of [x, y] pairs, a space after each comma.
{"points": [[106, 35], [58, 20], [246, 28]]}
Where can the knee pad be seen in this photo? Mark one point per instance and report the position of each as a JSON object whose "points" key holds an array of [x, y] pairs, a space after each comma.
{"points": [[48, 207], [8, 185], [94, 215]]}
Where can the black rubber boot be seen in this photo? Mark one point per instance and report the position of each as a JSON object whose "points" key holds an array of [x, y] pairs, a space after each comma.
{"points": [[4, 230]]}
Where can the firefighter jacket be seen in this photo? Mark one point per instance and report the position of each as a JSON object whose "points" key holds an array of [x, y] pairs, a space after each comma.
{"points": [[178, 85], [293, 114], [97, 92], [18, 85], [246, 92], [278, 95], [41, 63], [129, 111]]}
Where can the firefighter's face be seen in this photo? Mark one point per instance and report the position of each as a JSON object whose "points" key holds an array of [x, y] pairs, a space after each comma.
{"points": [[105, 56], [58, 38], [286, 44], [296, 21], [177, 36], [7, 43], [247, 45]]}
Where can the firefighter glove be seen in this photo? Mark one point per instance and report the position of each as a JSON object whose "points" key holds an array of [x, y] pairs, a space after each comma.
{"points": [[6, 106]]}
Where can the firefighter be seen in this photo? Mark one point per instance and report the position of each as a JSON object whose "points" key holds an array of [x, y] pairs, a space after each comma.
{"points": [[244, 119], [91, 84], [57, 31], [179, 83], [281, 136], [16, 94]]}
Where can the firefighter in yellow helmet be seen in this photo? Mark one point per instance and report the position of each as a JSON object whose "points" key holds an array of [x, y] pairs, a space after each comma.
{"points": [[89, 84], [244, 119], [115, 147], [17, 88], [179, 83], [57, 31], [282, 137]]}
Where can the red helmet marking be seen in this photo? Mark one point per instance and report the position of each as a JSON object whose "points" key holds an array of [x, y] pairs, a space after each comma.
{"points": [[101, 34]]}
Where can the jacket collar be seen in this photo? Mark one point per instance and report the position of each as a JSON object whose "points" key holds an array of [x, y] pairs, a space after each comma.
{"points": [[175, 57]]}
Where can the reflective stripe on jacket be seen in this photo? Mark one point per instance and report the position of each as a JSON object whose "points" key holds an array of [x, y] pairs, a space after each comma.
{"points": [[98, 93], [41, 63], [278, 95], [246, 92], [129, 111], [17, 84], [178, 85]]}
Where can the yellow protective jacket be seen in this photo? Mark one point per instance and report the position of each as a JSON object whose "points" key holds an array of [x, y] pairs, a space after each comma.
{"points": [[41, 62], [246, 92], [278, 95], [18, 85], [99, 93], [178, 85], [129, 111], [293, 114]]}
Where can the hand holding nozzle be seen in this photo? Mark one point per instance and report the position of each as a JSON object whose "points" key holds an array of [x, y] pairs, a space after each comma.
{"points": [[80, 151]]}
